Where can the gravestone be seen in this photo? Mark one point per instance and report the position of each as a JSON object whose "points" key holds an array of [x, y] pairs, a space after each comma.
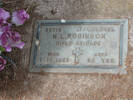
{"points": [[80, 46], [72, 85]]}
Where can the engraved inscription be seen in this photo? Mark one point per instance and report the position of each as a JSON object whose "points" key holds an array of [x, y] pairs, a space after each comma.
{"points": [[79, 45]]}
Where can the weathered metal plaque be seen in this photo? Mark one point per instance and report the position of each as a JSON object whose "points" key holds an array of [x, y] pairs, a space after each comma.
{"points": [[80, 46]]}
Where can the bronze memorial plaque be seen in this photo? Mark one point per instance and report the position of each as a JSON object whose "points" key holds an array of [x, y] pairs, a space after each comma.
{"points": [[80, 46]]}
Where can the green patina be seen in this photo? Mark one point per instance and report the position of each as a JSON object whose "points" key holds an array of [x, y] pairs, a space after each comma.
{"points": [[1, 3]]}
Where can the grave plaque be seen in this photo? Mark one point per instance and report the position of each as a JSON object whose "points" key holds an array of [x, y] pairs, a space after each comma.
{"points": [[80, 46]]}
